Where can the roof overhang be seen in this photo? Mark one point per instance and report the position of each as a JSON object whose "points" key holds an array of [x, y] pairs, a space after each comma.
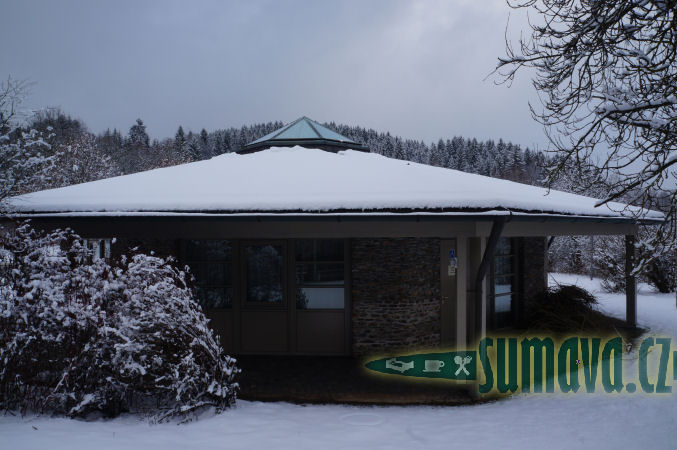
{"points": [[353, 216], [304, 225]]}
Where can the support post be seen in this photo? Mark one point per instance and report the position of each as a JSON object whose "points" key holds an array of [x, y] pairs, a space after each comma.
{"points": [[550, 241], [630, 282], [496, 230]]}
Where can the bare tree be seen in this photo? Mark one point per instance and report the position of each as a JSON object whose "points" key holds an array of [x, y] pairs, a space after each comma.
{"points": [[80, 160], [606, 74], [23, 160]]}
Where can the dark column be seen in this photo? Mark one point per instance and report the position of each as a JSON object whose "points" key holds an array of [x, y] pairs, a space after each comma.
{"points": [[630, 282], [492, 243]]}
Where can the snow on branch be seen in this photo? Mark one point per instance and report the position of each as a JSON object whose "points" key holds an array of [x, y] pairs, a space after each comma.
{"points": [[606, 73]]}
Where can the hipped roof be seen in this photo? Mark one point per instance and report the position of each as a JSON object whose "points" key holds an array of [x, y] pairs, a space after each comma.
{"points": [[310, 182]]}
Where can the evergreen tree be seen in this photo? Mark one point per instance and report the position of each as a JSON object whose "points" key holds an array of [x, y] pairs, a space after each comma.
{"points": [[388, 146], [447, 157], [242, 138], [180, 144], [399, 151], [138, 136], [136, 147], [111, 144], [470, 161], [439, 152], [194, 150], [204, 145], [226, 143]]}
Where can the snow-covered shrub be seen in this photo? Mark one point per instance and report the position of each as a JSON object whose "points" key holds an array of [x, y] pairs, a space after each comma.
{"points": [[662, 273], [609, 258], [609, 255], [569, 254], [79, 335]]}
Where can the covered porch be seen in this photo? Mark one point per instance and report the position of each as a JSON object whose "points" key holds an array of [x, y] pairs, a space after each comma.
{"points": [[340, 379]]}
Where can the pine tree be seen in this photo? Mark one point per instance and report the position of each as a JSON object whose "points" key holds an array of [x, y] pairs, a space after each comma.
{"points": [[451, 153], [470, 161], [242, 138], [205, 150], [136, 147], [226, 143], [398, 151], [194, 151], [388, 146], [180, 144], [138, 135]]}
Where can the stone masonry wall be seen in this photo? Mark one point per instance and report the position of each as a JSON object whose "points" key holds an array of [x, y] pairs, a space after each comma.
{"points": [[395, 294]]}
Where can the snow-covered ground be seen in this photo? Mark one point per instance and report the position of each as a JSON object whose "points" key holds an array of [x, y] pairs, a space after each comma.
{"points": [[599, 421]]}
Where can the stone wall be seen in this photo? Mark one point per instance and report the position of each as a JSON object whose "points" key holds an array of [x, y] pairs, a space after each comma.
{"points": [[395, 294], [534, 259]]}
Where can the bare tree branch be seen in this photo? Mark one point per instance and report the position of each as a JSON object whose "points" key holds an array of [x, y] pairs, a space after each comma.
{"points": [[606, 74]]}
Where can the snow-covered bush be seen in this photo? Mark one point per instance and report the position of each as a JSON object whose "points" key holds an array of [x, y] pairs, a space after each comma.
{"points": [[609, 260], [662, 273], [79, 335], [571, 254]]}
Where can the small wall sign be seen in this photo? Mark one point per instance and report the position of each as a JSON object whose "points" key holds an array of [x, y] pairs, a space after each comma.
{"points": [[453, 263]]}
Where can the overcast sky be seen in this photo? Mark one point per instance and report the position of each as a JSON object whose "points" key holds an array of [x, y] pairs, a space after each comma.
{"points": [[414, 68]]}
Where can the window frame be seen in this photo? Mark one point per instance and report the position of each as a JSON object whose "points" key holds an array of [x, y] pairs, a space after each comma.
{"points": [[343, 262], [99, 252], [186, 261], [514, 274], [246, 304]]}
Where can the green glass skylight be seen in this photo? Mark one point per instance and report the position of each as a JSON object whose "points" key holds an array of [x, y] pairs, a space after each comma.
{"points": [[306, 133], [300, 130]]}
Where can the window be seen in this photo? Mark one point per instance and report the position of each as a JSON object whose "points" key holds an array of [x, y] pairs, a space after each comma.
{"points": [[264, 274], [211, 264], [100, 248], [320, 274], [504, 282]]}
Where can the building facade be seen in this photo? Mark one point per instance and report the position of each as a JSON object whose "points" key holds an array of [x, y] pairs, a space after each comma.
{"points": [[331, 251]]}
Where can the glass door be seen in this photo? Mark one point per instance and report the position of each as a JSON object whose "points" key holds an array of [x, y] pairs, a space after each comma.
{"points": [[264, 274], [264, 324]]}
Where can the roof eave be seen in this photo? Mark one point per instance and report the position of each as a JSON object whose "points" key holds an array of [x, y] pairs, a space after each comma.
{"points": [[417, 216]]}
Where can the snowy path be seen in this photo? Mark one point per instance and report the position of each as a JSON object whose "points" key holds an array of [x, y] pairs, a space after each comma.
{"points": [[537, 421]]}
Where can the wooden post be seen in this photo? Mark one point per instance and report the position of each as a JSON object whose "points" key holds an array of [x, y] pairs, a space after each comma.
{"points": [[487, 258], [630, 282], [592, 256]]}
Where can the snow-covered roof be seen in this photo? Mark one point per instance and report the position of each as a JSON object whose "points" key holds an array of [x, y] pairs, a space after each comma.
{"points": [[307, 181], [305, 132]]}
